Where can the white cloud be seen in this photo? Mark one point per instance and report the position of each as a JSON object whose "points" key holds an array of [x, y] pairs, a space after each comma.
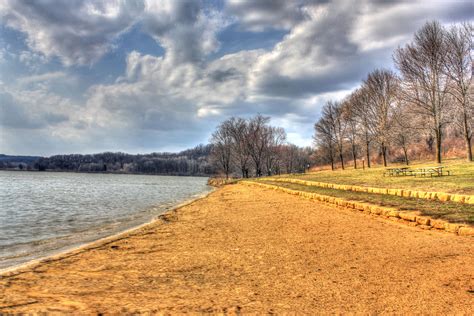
{"points": [[78, 32], [179, 97], [265, 14], [183, 28], [45, 77]]}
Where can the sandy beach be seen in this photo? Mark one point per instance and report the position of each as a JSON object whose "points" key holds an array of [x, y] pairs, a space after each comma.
{"points": [[253, 250]]}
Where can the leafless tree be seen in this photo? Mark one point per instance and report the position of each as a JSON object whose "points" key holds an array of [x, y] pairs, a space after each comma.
{"points": [[289, 154], [222, 147], [257, 141], [382, 88], [403, 133], [332, 115], [425, 84], [350, 118], [238, 129], [359, 100], [324, 132], [458, 68], [275, 137]]}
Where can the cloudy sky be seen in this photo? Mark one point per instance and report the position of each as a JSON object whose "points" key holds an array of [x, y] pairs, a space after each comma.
{"points": [[145, 76]]}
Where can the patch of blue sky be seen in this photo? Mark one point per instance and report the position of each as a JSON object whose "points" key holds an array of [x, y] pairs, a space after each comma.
{"points": [[234, 39], [113, 64]]}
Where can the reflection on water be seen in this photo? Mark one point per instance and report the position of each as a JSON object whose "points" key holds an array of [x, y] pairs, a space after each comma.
{"points": [[45, 212]]}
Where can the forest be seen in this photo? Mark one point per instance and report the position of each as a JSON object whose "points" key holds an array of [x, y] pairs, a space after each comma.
{"points": [[191, 162]]}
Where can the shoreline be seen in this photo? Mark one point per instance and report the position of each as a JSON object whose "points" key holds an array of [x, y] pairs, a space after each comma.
{"points": [[17, 269], [250, 250]]}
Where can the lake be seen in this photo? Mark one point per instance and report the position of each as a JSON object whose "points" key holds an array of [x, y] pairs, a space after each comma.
{"points": [[42, 213]]}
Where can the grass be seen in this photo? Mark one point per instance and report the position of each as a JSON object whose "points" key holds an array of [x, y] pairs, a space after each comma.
{"points": [[460, 181], [449, 211]]}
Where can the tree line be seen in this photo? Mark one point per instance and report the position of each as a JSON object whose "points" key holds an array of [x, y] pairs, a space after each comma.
{"points": [[429, 97], [192, 162], [252, 147]]}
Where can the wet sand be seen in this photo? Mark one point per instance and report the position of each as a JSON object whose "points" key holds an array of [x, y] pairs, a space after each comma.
{"points": [[252, 250]]}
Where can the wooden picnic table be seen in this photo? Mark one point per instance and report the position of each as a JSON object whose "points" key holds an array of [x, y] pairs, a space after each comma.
{"points": [[435, 170], [396, 171], [423, 171]]}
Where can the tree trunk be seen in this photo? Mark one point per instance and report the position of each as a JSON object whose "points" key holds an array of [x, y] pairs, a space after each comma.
{"points": [[469, 148], [354, 156], [384, 155], [438, 145], [341, 158], [368, 153], [332, 160], [468, 139], [405, 151]]}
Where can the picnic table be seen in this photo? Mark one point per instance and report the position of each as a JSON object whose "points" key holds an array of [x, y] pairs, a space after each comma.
{"points": [[400, 171], [431, 171], [424, 171]]}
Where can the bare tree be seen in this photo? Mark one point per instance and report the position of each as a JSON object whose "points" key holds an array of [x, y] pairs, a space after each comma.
{"points": [[332, 115], [382, 88], [360, 104], [350, 118], [340, 128], [458, 68], [403, 132], [222, 147], [238, 129], [275, 137], [257, 142], [289, 153], [324, 134], [424, 84]]}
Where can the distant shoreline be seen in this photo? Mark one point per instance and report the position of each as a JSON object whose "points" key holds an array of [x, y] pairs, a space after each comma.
{"points": [[110, 172]]}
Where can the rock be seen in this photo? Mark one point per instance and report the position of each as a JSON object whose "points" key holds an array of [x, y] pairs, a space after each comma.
{"points": [[469, 199], [458, 198], [422, 220], [394, 213], [415, 194], [427, 227], [437, 223], [376, 210], [408, 216], [466, 231], [392, 191], [452, 228], [350, 204], [443, 197]]}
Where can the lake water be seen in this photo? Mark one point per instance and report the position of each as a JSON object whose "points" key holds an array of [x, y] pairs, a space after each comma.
{"points": [[42, 213]]}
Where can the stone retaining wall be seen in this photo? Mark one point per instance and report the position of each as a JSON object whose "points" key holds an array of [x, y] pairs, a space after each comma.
{"points": [[411, 218], [441, 196]]}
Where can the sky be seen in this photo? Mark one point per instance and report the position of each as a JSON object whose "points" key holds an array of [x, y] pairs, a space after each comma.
{"points": [[144, 76]]}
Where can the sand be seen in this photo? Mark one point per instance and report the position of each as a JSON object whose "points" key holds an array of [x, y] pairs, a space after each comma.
{"points": [[253, 250]]}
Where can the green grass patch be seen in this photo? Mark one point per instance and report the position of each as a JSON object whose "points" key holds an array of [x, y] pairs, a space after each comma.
{"points": [[449, 211], [461, 180]]}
